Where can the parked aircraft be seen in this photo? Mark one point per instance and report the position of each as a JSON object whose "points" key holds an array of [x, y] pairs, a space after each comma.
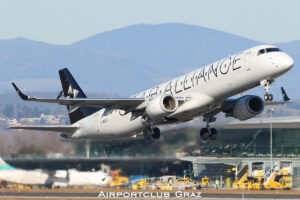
{"points": [[203, 92], [58, 178]]}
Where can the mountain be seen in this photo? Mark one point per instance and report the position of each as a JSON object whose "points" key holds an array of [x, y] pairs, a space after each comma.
{"points": [[124, 61]]}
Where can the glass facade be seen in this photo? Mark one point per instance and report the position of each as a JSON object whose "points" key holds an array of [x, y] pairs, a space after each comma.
{"points": [[254, 143], [237, 147]]}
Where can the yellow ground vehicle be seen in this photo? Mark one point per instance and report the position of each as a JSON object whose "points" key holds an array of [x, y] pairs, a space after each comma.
{"points": [[286, 182], [4, 184], [251, 176], [164, 186], [205, 182], [166, 182], [138, 182], [186, 180], [118, 182], [186, 183], [241, 180], [256, 175], [279, 176], [286, 172], [256, 184]]}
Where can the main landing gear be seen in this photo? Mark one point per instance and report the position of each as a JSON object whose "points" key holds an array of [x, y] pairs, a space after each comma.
{"points": [[267, 84], [152, 132], [208, 132]]}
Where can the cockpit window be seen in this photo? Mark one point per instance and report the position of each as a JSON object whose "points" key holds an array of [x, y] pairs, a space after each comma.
{"points": [[267, 50], [262, 51], [272, 49]]}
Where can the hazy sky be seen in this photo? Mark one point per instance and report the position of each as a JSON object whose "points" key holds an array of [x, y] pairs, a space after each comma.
{"points": [[67, 21]]}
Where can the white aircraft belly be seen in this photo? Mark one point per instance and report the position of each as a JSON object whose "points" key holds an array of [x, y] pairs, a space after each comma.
{"points": [[87, 178], [113, 125]]}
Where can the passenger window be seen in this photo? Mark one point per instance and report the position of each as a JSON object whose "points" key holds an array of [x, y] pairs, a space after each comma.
{"points": [[262, 51], [272, 50]]}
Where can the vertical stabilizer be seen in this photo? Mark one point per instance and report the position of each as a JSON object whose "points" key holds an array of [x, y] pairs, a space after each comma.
{"points": [[5, 166], [284, 95], [71, 89]]}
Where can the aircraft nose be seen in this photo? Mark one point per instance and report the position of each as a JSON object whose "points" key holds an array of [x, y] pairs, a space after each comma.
{"points": [[287, 62]]}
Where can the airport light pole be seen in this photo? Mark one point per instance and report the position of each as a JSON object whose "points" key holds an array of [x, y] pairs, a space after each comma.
{"points": [[271, 110]]}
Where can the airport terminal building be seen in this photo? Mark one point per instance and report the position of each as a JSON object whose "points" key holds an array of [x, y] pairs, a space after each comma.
{"points": [[236, 147], [232, 149]]}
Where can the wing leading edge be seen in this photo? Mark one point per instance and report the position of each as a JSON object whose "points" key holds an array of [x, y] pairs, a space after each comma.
{"points": [[58, 128], [117, 103]]}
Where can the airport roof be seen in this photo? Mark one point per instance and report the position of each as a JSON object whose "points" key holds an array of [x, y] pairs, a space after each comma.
{"points": [[236, 160], [291, 122]]}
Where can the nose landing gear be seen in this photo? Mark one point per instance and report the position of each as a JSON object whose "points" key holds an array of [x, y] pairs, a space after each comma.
{"points": [[267, 84], [268, 97]]}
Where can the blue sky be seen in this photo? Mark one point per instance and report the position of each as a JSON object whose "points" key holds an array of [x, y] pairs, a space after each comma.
{"points": [[67, 21]]}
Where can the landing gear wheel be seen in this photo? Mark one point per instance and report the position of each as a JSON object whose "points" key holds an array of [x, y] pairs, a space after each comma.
{"points": [[266, 97], [270, 97], [204, 134], [213, 134], [155, 133], [267, 84], [147, 134]]}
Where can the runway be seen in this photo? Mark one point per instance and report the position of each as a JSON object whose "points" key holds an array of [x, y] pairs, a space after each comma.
{"points": [[94, 194]]}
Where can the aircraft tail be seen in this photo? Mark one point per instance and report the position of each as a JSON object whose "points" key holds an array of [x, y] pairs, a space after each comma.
{"points": [[284, 95], [71, 89], [5, 166]]}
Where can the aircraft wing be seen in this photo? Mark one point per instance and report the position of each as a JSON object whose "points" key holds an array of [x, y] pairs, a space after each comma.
{"points": [[57, 128], [272, 103], [117, 103]]}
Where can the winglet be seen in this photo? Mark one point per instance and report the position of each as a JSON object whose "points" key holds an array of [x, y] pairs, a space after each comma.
{"points": [[284, 95], [23, 96]]}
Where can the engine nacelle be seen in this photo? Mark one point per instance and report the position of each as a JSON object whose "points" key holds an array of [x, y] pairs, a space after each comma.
{"points": [[161, 106], [247, 107]]}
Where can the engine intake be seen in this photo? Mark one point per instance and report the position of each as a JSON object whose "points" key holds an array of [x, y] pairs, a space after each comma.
{"points": [[161, 106], [247, 107]]}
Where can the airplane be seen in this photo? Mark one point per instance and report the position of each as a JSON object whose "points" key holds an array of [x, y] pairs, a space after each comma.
{"points": [[57, 178], [203, 92]]}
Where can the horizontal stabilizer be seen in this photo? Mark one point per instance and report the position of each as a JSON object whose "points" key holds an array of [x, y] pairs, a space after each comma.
{"points": [[58, 128]]}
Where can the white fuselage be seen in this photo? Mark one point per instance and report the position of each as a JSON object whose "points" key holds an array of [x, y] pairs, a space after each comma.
{"points": [[58, 178], [202, 90]]}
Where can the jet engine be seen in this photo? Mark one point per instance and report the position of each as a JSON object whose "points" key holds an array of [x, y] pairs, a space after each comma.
{"points": [[161, 106], [247, 107]]}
